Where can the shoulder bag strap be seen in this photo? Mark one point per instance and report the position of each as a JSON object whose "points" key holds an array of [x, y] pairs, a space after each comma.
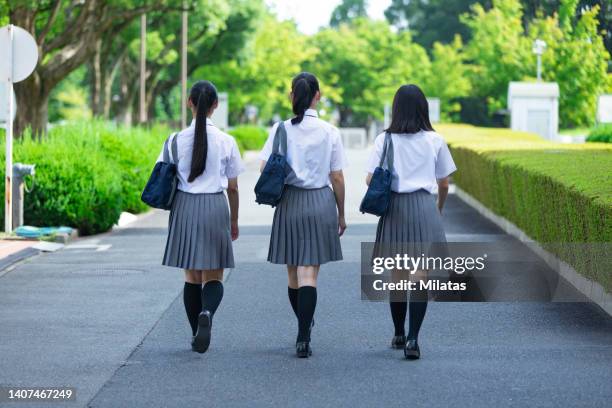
{"points": [[280, 137], [174, 149], [387, 152], [166, 157]]}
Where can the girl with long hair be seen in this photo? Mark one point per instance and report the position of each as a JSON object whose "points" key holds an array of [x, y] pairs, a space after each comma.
{"points": [[201, 226]]}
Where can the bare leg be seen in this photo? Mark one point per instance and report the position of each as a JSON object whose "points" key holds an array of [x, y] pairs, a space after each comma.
{"points": [[292, 276]]}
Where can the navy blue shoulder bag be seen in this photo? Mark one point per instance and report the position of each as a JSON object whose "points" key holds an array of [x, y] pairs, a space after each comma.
{"points": [[271, 184], [377, 198], [161, 187]]}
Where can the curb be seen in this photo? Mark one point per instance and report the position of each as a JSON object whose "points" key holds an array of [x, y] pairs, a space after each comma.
{"points": [[12, 259], [592, 290]]}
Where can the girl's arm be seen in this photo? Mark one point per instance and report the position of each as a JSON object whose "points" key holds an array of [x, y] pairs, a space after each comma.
{"points": [[442, 192], [232, 196], [337, 181]]}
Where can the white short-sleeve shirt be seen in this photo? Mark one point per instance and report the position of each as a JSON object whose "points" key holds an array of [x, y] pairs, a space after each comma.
{"points": [[223, 160], [314, 149], [419, 160]]}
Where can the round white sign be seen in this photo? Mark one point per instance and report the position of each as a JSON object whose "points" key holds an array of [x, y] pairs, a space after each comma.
{"points": [[24, 58], [4, 103]]}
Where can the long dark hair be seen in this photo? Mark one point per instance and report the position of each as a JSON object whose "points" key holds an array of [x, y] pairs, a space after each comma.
{"points": [[410, 112], [203, 96], [304, 87]]}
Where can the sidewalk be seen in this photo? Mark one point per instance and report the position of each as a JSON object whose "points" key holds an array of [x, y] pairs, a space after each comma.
{"points": [[110, 322]]}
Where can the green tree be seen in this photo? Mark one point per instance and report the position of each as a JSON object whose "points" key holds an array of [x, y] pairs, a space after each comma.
{"points": [[431, 20], [261, 75], [499, 49], [4, 18], [449, 78], [363, 63], [576, 57], [348, 11], [66, 34], [439, 20]]}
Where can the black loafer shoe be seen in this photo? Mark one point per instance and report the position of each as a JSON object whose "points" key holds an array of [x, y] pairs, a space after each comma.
{"points": [[303, 350], [398, 342], [201, 340], [310, 331], [411, 350]]}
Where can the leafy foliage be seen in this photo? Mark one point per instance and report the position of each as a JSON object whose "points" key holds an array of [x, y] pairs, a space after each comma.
{"points": [[366, 61], [510, 172], [601, 133], [261, 76], [87, 173], [347, 11], [249, 137], [575, 57]]}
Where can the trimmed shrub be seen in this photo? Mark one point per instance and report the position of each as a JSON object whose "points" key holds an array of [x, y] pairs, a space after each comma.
{"points": [[86, 174], [133, 152], [601, 133], [249, 137], [557, 193]]}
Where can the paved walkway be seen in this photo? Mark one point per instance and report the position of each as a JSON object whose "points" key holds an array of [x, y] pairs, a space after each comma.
{"points": [[109, 321]]}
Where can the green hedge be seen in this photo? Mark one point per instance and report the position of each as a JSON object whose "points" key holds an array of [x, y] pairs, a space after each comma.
{"points": [[558, 194], [601, 133], [249, 137], [87, 173]]}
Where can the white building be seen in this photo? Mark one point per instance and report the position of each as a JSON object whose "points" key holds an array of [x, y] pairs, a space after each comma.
{"points": [[534, 107]]}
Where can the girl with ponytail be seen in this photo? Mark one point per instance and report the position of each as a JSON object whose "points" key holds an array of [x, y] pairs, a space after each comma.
{"points": [[201, 226], [309, 219]]}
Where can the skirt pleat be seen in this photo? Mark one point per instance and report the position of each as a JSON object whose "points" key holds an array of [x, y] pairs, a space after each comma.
{"points": [[199, 232], [410, 226], [305, 228]]}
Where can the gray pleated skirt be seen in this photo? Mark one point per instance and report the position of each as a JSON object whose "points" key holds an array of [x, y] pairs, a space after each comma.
{"points": [[410, 226], [199, 232], [305, 228]]}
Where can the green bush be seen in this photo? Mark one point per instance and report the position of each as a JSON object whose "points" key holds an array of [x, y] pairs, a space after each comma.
{"points": [[249, 137], [87, 173], [558, 194], [133, 152], [601, 133]]}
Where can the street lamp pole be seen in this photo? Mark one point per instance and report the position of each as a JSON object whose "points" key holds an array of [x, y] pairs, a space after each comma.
{"points": [[538, 49], [184, 66]]}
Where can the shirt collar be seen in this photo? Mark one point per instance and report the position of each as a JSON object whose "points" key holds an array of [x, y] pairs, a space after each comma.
{"points": [[311, 112], [209, 122]]}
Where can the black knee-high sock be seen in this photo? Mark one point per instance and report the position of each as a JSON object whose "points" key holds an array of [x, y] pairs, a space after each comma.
{"points": [[293, 299], [418, 306], [398, 313], [399, 306], [192, 297], [212, 293], [306, 302]]}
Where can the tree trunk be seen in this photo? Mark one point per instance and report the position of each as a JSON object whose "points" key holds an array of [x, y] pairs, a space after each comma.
{"points": [[32, 98], [96, 81]]}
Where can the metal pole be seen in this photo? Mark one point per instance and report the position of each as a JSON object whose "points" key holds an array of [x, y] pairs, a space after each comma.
{"points": [[8, 180], [539, 68], [143, 68], [184, 67]]}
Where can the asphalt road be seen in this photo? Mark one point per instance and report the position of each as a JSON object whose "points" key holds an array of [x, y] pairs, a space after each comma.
{"points": [[109, 321]]}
